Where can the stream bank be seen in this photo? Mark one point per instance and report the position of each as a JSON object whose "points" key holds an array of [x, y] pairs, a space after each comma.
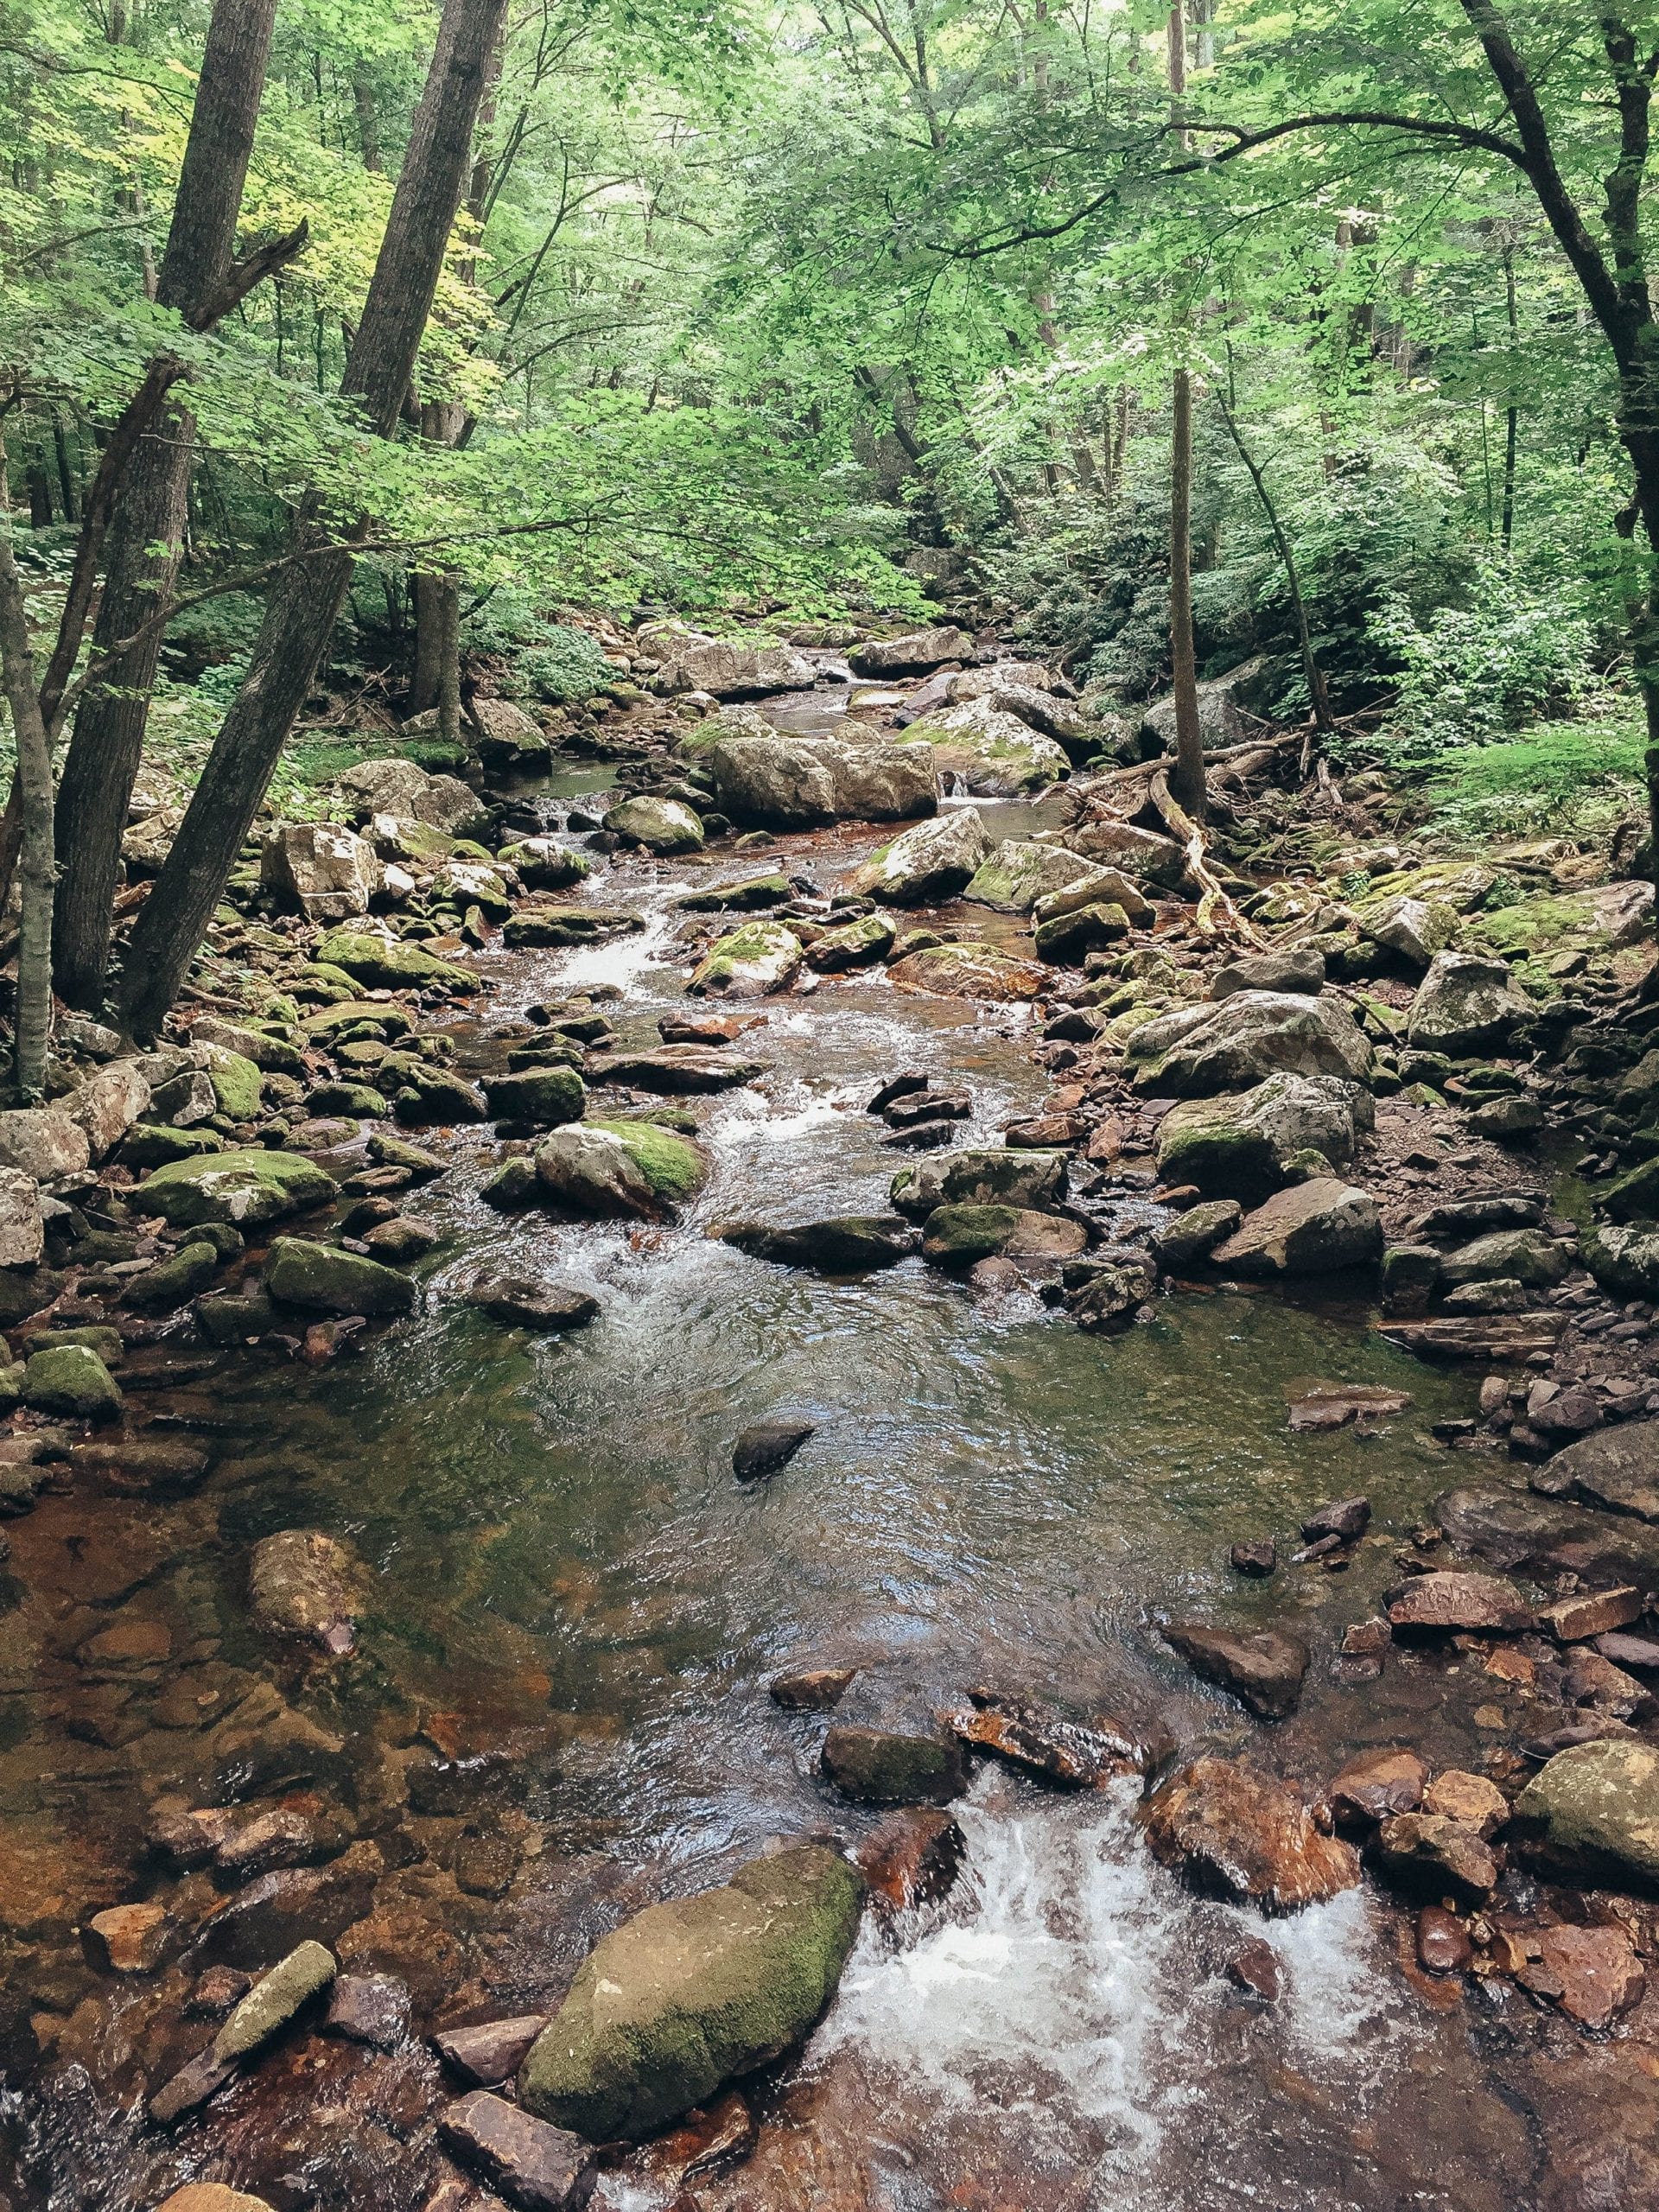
{"points": [[556, 1708]]}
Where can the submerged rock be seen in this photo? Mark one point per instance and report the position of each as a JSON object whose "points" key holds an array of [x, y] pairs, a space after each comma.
{"points": [[305, 1584], [1264, 1669], [690, 1995], [539, 2168], [877, 1766], [767, 1446], [1243, 1836], [841, 1244]]}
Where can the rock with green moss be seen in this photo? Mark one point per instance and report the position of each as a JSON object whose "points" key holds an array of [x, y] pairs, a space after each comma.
{"points": [[1466, 1004], [324, 1280], [1594, 1811], [547, 926], [545, 865], [513, 1185], [71, 1379], [926, 865], [995, 754], [754, 962], [273, 2001], [1234, 1043], [960, 1236], [618, 1170], [357, 1018], [1068, 938], [249, 1188], [1242, 1144], [386, 963], [544, 1096], [752, 891], [237, 1084], [234, 1319], [661, 825], [173, 1281], [689, 1995], [1633, 1197], [854, 944], [877, 1766], [1529, 1256], [981, 1176], [355, 1100], [1624, 1257], [1020, 872], [149, 1145]]}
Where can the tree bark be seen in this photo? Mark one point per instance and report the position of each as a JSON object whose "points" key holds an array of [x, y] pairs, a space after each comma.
{"points": [[301, 614], [1319, 697], [449, 659], [1187, 781], [32, 1026], [105, 753], [428, 641]]}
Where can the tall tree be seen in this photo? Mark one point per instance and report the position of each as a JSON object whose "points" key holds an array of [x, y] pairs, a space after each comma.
{"points": [[146, 539], [1187, 782], [301, 611]]}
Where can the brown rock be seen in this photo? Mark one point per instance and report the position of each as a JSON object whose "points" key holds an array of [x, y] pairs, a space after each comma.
{"points": [[704, 2141], [1593, 1973], [1376, 1783], [217, 1991], [1238, 1834], [1254, 1968], [1453, 1599], [1591, 1612], [1638, 1651], [815, 1689], [1041, 1745], [1443, 1944], [493, 2051], [1470, 1798], [212, 2197], [1258, 1556], [1264, 1669], [371, 2008], [1428, 1849], [128, 1938], [535, 2166], [1367, 1639], [911, 1858]]}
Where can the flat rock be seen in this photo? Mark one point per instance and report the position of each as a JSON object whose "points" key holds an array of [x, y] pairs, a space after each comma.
{"points": [[841, 1244], [1314, 1228], [491, 2052], [1265, 1670], [678, 1069], [1246, 1837], [1617, 1468], [1536, 1535], [519, 1302], [1591, 1973], [1377, 1783], [535, 2167], [1456, 1599], [371, 2008], [881, 1766]]}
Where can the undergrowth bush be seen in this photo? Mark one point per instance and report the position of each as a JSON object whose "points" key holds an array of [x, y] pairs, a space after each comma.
{"points": [[1512, 655], [1574, 778]]}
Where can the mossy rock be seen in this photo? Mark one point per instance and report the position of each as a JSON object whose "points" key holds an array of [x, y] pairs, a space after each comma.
{"points": [[513, 1185], [248, 1187], [387, 1151], [364, 1016], [693, 1993], [324, 1280], [355, 1100], [753, 961], [237, 1084], [619, 1168], [544, 1096], [876, 1766], [71, 1379], [173, 1281], [385, 966], [149, 1144], [960, 1236]]}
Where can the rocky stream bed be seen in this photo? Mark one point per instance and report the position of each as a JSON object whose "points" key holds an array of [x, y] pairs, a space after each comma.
{"points": [[743, 1483]]}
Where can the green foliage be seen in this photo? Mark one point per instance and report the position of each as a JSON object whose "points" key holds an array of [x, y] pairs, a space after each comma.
{"points": [[548, 659], [1575, 777]]}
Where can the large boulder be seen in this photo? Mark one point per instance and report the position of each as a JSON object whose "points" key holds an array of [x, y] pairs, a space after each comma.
{"points": [[766, 779], [970, 971], [1033, 1180], [248, 1188], [1222, 717], [1625, 1259], [661, 825], [1466, 1004], [754, 962], [730, 669], [22, 1228], [108, 1103], [1416, 928], [1312, 1228], [689, 1995], [332, 872], [324, 1280], [387, 964], [1593, 1810], [1529, 1256], [1246, 1838], [995, 755], [1142, 854], [1616, 1467], [402, 787], [620, 1170], [544, 1096], [1241, 1144], [915, 652], [43, 1142], [962, 1236], [1232, 1043], [507, 736], [878, 781], [927, 865], [1020, 872]]}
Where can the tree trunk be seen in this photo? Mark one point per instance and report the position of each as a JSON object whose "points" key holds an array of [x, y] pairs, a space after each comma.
{"points": [[301, 613], [32, 1028], [449, 659], [425, 589], [105, 753], [1319, 697], [66, 483], [1187, 782]]}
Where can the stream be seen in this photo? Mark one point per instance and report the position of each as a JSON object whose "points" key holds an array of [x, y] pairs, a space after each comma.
{"points": [[576, 1610]]}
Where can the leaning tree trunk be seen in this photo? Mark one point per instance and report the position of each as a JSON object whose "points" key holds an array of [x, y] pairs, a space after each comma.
{"points": [[32, 1028], [301, 614], [103, 760], [1188, 779]]}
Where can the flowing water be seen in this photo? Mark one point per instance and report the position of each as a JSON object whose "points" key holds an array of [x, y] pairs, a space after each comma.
{"points": [[563, 1564]]}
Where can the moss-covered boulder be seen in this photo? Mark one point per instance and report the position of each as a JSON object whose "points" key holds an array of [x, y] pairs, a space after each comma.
{"points": [[71, 1379], [1593, 1810], [769, 890], [1020, 872], [1067, 938], [386, 964], [995, 754], [238, 1087], [249, 1188], [616, 1170], [661, 825], [545, 925], [321, 1279], [543, 1096], [960, 1235], [929, 864], [180, 1277], [754, 962], [854, 944], [355, 1100], [981, 1176], [691, 1995], [544, 865], [149, 1144], [1240, 1144]]}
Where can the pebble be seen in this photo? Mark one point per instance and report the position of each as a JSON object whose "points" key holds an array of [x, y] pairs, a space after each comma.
{"points": [[1443, 1944]]}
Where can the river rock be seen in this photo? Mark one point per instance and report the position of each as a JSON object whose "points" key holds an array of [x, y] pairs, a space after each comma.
{"points": [[1466, 1004], [128, 1938], [302, 1583], [911, 1857], [1416, 928], [388, 963], [545, 1097], [248, 1188], [619, 1169], [332, 872], [1591, 1973], [1069, 938], [1241, 1144], [1298, 969], [519, 1302], [928, 864], [544, 864], [1527, 1256], [1041, 1744], [980, 1177], [1142, 854], [765, 779], [995, 754], [70, 1379], [173, 1281], [730, 668], [1232, 1043], [322, 1279], [1428, 1850], [1265, 1670], [1624, 1260], [536, 2167], [682, 1068], [212, 2197], [765, 1446], [1190, 1237], [1456, 1599], [748, 893], [402, 787], [1020, 872], [1378, 1783], [273, 2000], [912, 654], [841, 1244], [811, 1689], [960, 1235], [854, 944], [1313, 1228], [23, 1226], [662, 826], [43, 1142], [368, 2008], [753, 961], [877, 781], [1470, 1798], [1617, 1468], [689, 1995], [1242, 1836], [492, 2051], [1541, 1536], [1594, 1811], [876, 1766]]}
